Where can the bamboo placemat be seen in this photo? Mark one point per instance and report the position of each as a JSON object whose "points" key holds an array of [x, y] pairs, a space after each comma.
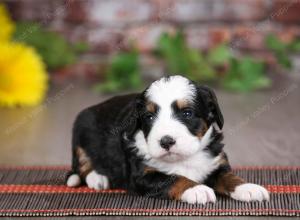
{"points": [[40, 191]]}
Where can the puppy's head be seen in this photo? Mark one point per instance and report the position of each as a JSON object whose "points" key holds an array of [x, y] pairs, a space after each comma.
{"points": [[175, 118]]}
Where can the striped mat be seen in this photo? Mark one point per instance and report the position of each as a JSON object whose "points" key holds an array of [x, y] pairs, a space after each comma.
{"points": [[40, 191]]}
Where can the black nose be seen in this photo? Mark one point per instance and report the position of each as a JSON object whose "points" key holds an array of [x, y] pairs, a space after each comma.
{"points": [[167, 142]]}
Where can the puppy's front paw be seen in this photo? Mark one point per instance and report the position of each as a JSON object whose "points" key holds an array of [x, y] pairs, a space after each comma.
{"points": [[96, 181], [200, 194], [250, 192]]}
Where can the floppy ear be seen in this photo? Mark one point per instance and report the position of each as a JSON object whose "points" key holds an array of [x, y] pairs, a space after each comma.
{"points": [[132, 117], [211, 101]]}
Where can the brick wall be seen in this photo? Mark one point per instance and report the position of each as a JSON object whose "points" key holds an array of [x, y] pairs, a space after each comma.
{"points": [[108, 25]]}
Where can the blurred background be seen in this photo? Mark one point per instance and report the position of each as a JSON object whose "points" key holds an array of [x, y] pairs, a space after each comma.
{"points": [[60, 56]]}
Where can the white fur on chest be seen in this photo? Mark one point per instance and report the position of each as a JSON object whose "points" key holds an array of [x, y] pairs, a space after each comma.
{"points": [[196, 168]]}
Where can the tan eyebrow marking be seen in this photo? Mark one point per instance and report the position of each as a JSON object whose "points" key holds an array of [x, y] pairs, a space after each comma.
{"points": [[85, 164], [151, 107], [182, 103]]}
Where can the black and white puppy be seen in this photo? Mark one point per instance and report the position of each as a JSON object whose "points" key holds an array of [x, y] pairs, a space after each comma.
{"points": [[164, 142]]}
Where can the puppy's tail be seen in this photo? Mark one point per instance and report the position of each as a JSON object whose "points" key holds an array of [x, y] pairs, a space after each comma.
{"points": [[73, 180]]}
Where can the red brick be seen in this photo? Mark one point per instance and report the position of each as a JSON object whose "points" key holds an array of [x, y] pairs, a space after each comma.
{"points": [[105, 40], [74, 33], [145, 36], [266, 56], [288, 34], [109, 25], [286, 11], [188, 11], [247, 37], [236, 10], [77, 11], [120, 12], [197, 37], [208, 10], [15, 9], [33, 10], [219, 35], [163, 8], [206, 36], [251, 36]]}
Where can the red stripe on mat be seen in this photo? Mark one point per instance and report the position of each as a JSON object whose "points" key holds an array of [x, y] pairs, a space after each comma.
{"points": [[266, 167], [64, 189], [128, 210], [67, 167], [52, 189], [53, 167]]}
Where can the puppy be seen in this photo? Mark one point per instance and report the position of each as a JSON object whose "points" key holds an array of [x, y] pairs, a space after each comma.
{"points": [[165, 142]]}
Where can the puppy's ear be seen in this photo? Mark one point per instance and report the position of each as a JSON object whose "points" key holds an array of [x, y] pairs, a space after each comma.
{"points": [[133, 117], [210, 99]]}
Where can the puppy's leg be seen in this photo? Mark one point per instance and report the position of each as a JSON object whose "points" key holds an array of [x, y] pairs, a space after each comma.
{"points": [[73, 177], [229, 184], [157, 184], [93, 178], [83, 170]]}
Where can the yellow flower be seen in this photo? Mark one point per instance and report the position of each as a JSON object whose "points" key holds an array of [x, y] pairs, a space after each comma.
{"points": [[7, 26], [23, 78]]}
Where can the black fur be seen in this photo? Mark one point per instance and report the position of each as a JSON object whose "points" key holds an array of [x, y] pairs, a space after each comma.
{"points": [[194, 122], [146, 119], [210, 102], [216, 145]]}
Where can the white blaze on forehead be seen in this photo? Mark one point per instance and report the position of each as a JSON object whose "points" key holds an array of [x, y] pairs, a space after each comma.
{"points": [[167, 90]]}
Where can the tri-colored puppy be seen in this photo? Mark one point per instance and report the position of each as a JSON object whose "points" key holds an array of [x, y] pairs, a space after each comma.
{"points": [[164, 142]]}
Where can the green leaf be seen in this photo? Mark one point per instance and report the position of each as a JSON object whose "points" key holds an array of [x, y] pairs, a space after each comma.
{"points": [[294, 46], [122, 74], [274, 43], [55, 51], [181, 59], [281, 50], [219, 55], [262, 82], [81, 47], [246, 74], [108, 87], [284, 60]]}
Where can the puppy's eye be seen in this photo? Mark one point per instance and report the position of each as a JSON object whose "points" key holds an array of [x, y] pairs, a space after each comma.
{"points": [[187, 113], [149, 116]]}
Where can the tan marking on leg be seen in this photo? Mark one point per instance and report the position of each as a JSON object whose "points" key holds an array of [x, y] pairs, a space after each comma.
{"points": [[85, 164], [180, 186], [227, 182], [149, 170]]}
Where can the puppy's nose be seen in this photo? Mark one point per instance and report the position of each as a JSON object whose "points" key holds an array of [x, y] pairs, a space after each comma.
{"points": [[167, 142]]}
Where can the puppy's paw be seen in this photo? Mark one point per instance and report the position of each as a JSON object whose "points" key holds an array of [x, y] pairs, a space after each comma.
{"points": [[250, 192], [73, 180], [200, 194], [96, 181]]}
